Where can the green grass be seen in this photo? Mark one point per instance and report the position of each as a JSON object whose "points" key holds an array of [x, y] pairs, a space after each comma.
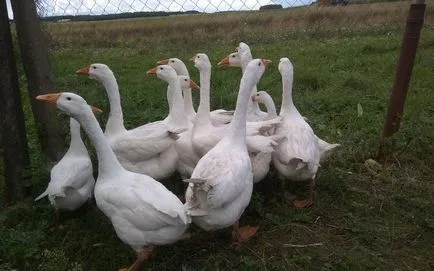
{"points": [[366, 218]]}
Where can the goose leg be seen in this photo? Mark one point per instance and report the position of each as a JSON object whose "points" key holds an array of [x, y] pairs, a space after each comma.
{"points": [[243, 234], [284, 193], [142, 255], [309, 200], [58, 222]]}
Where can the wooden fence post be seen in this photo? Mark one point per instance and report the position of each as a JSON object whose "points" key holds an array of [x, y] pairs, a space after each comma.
{"points": [[35, 59], [13, 133], [402, 77]]}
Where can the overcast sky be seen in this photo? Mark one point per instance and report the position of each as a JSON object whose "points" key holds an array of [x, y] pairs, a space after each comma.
{"points": [[74, 7]]}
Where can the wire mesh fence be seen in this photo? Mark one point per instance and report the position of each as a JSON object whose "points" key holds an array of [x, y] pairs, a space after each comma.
{"points": [[74, 7], [130, 36]]}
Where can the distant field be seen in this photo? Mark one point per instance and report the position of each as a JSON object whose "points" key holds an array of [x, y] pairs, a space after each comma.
{"points": [[365, 218], [270, 25]]}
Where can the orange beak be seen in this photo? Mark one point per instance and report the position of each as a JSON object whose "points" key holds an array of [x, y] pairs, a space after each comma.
{"points": [[95, 109], [83, 71], [193, 85], [266, 62], [163, 62], [152, 71], [49, 98], [224, 62]]}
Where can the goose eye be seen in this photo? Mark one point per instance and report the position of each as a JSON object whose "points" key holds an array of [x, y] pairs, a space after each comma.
{"points": [[173, 61], [198, 56], [257, 94], [259, 64], [161, 68], [93, 67], [185, 80], [68, 98], [233, 56]]}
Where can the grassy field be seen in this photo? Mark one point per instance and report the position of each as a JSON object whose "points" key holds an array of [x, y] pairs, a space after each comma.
{"points": [[366, 218]]}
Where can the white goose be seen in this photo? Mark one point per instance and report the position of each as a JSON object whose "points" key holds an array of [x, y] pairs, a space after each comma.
{"points": [[231, 60], [206, 136], [265, 98], [71, 180], [147, 149], [142, 211], [222, 182], [261, 161], [254, 113], [234, 60], [187, 84], [240, 59], [174, 91], [297, 157], [188, 158], [218, 117]]}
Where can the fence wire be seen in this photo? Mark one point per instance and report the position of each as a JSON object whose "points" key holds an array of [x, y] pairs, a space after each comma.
{"points": [[131, 35], [100, 7]]}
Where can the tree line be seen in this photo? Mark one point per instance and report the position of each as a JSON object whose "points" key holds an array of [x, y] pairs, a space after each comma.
{"points": [[124, 15]]}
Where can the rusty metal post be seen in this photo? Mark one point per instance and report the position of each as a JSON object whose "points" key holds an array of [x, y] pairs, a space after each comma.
{"points": [[402, 77]]}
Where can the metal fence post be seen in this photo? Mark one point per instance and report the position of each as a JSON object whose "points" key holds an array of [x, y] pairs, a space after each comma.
{"points": [[402, 77], [13, 133]]}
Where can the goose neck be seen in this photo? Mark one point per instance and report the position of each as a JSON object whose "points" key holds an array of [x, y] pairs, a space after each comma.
{"points": [[76, 146], [271, 108], [177, 115], [203, 112], [188, 102], [237, 129], [287, 106], [108, 164], [252, 108], [115, 121]]}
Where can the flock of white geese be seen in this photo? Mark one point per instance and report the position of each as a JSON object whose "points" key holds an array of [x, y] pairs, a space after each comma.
{"points": [[220, 154]]}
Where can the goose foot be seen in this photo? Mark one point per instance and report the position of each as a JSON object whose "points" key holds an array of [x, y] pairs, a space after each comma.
{"points": [[142, 255], [243, 234], [299, 204]]}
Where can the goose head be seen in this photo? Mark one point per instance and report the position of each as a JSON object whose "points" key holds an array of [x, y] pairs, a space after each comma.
{"points": [[96, 71], [201, 61], [187, 83], [256, 67], [244, 50], [175, 63], [231, 60], [164, 72], [72, 104], [260, 96], [243, 47], [285, 65]]}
